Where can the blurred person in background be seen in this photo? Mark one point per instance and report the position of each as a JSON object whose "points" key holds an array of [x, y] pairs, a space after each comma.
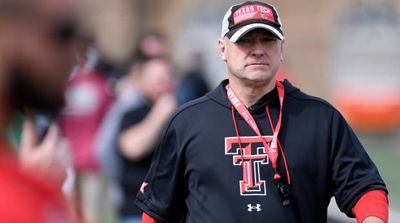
{"points": [[141, 127], [151, 44], [37, 53], [128, 96], [88, 98], [256, 149], [193, 83]]}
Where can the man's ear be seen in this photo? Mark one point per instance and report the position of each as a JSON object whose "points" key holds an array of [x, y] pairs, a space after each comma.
{"points": [[283, 41], [222, 49]]}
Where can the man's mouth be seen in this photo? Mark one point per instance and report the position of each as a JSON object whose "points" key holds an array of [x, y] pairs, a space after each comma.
{"points": [[257, 64]]}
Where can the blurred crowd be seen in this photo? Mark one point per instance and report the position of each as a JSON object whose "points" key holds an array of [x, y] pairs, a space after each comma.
{"points": [[112, 122], [81, 126]]}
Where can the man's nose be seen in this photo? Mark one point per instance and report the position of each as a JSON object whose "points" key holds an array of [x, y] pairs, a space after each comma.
{"points": [[258, 49]]}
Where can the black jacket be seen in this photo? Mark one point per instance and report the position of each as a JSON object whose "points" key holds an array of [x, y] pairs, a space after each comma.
{"points": [[195, 178]]}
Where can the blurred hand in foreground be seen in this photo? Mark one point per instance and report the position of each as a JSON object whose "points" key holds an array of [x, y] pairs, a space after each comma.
{"points": [[48, 159]]}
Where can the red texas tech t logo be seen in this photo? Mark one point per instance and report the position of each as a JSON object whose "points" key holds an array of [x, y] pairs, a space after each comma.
{"points": [[250, 158]]}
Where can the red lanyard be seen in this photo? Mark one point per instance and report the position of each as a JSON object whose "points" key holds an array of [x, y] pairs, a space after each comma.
{"points": [[272, 149]]}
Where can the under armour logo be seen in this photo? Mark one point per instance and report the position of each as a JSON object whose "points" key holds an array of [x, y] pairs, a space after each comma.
{"points": [[256, 207]]}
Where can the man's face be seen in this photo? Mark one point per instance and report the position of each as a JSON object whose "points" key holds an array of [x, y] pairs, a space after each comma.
{"points": [[156, 79], [43, 56], [254, 58]]}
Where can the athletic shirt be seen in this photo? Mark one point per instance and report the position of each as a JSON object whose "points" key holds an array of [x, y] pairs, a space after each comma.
{"points": [[88, 100], [197, 173]]}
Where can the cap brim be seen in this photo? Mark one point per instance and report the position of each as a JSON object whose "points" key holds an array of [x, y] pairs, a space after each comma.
{"points": [[247, 28]]}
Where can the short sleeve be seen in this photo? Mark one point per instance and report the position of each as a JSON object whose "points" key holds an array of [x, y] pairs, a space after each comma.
{"points": [[353, 172], [162, 195]]}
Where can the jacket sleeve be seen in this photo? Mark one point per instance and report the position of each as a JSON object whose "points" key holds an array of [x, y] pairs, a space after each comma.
{"points": [[352, 171], [162, 195]]}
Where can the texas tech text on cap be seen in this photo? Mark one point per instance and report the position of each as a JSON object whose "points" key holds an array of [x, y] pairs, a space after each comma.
{"points": [[242, 18]]}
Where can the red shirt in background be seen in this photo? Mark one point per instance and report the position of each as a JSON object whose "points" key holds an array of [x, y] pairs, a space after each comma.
{"points": [[88, 99]]}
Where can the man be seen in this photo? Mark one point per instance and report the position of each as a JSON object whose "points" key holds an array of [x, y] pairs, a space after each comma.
{"points": [[140, 129], [258, 150], [36, 42], [88, 98]]}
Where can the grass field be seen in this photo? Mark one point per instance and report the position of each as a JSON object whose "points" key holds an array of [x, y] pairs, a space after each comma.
{"points": [[385, 152], [388, 165]]}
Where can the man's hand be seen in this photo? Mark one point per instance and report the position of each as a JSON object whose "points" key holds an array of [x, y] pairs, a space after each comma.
{"points": [[165, 106], [139, 140], [47, 160], [373, 220]]}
